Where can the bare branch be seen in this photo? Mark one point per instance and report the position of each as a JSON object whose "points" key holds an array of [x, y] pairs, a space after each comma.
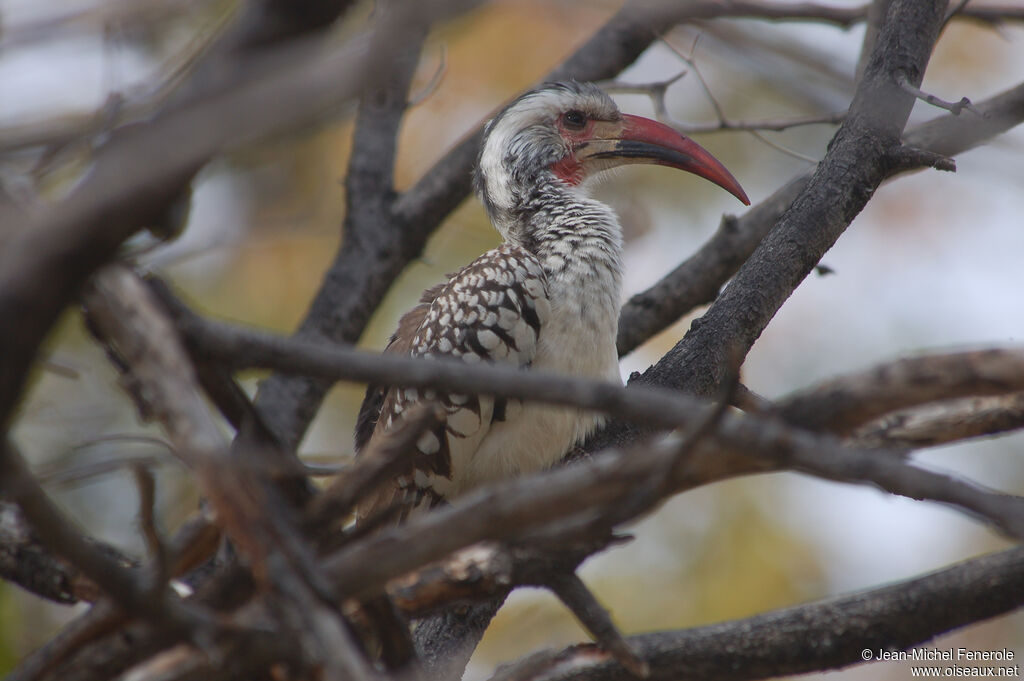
{"points": [[118, 109], [123, 13], [151, 534], [945, 422], [836, 192], [837, 406], [239, 347], [96, 623], [842, 404], [741, 445], [1003, 511], [571, 590], [825, 635], [698, 279], [953, 107], [386, 459], [125, 311], [990, 370], [117, 580], [49, 258], [51, 254], [910, 158], [25, 561], [375, 238], [656, 92]]}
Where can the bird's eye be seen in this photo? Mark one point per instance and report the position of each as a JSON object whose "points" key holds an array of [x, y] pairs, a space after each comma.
{"points": [[574, 120]]}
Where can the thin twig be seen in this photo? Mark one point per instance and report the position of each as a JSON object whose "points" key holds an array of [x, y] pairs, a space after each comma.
{"points": [[571, 590], [157, 550], [118, 581], [953, 107], [656, 92], [723, 123], [58, 133]]}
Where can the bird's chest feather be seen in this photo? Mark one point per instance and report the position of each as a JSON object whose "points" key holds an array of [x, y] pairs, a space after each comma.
{"points": [[577, 339]]}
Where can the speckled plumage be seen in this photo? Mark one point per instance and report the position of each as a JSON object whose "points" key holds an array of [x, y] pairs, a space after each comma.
{"points": [[548, 298]]}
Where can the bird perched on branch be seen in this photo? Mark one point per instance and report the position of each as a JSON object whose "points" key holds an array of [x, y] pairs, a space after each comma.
{"points": [[547, 298]]}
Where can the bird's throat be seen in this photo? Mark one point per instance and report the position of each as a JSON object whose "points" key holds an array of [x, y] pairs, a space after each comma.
{"points": [[568, 170]]}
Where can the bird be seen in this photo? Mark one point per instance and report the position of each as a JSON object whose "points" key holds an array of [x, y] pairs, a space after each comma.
{"points": [[546, 299]]}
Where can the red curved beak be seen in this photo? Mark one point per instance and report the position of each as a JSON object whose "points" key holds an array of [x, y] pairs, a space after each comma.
{"points": [[640, 140]]}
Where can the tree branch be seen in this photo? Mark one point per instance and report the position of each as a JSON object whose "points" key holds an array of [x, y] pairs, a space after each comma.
{"points": [[49, 258], [819, 636], [119, 581], [698, 279], [944, 423], [374, 238], [588, 488], [25, 561], [843, 182], [125, 311], [842, 404]]}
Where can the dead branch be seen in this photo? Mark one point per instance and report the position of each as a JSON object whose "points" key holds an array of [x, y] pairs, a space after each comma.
{"points": [[121, 583], [843, 404], [588, 488], [698, 279], [944, 422], [979, 372], [837, 406], [828, 634], [51, 254], [126, 313], [25, 561], [838, 189], [388, 458], [571, 590], [371, 226], [953, 107]]}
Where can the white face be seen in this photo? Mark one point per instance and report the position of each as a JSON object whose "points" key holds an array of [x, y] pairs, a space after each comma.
{"points": [[524, 140]]}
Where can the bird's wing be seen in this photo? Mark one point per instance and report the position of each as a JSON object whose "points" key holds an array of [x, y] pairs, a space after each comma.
{"points": [[490, 311]]}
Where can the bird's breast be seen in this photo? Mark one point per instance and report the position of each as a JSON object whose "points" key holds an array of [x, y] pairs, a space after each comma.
{"points": [[578, 340]]}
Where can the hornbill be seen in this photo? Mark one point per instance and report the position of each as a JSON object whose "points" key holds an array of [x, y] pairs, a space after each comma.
{"points": [[547, 298]]}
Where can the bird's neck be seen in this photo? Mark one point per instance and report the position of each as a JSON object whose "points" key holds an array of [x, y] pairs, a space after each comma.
{"points": [[578, 241], [570, 233]]}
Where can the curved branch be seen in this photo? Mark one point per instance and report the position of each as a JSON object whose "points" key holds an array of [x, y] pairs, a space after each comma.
{"points": [[598, 489], [857, 161], [25, 561], [819, 636], [842, 404], [945, 422]]}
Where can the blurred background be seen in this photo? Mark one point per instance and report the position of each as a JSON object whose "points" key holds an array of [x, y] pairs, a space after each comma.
{"points": [[934, 262]]}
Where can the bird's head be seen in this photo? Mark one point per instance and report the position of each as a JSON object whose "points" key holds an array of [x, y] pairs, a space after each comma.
{"points": [[565, 133]]}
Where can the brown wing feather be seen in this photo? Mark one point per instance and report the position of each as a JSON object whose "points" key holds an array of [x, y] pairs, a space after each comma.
{"points": [[492, 311], [400, 343]]}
